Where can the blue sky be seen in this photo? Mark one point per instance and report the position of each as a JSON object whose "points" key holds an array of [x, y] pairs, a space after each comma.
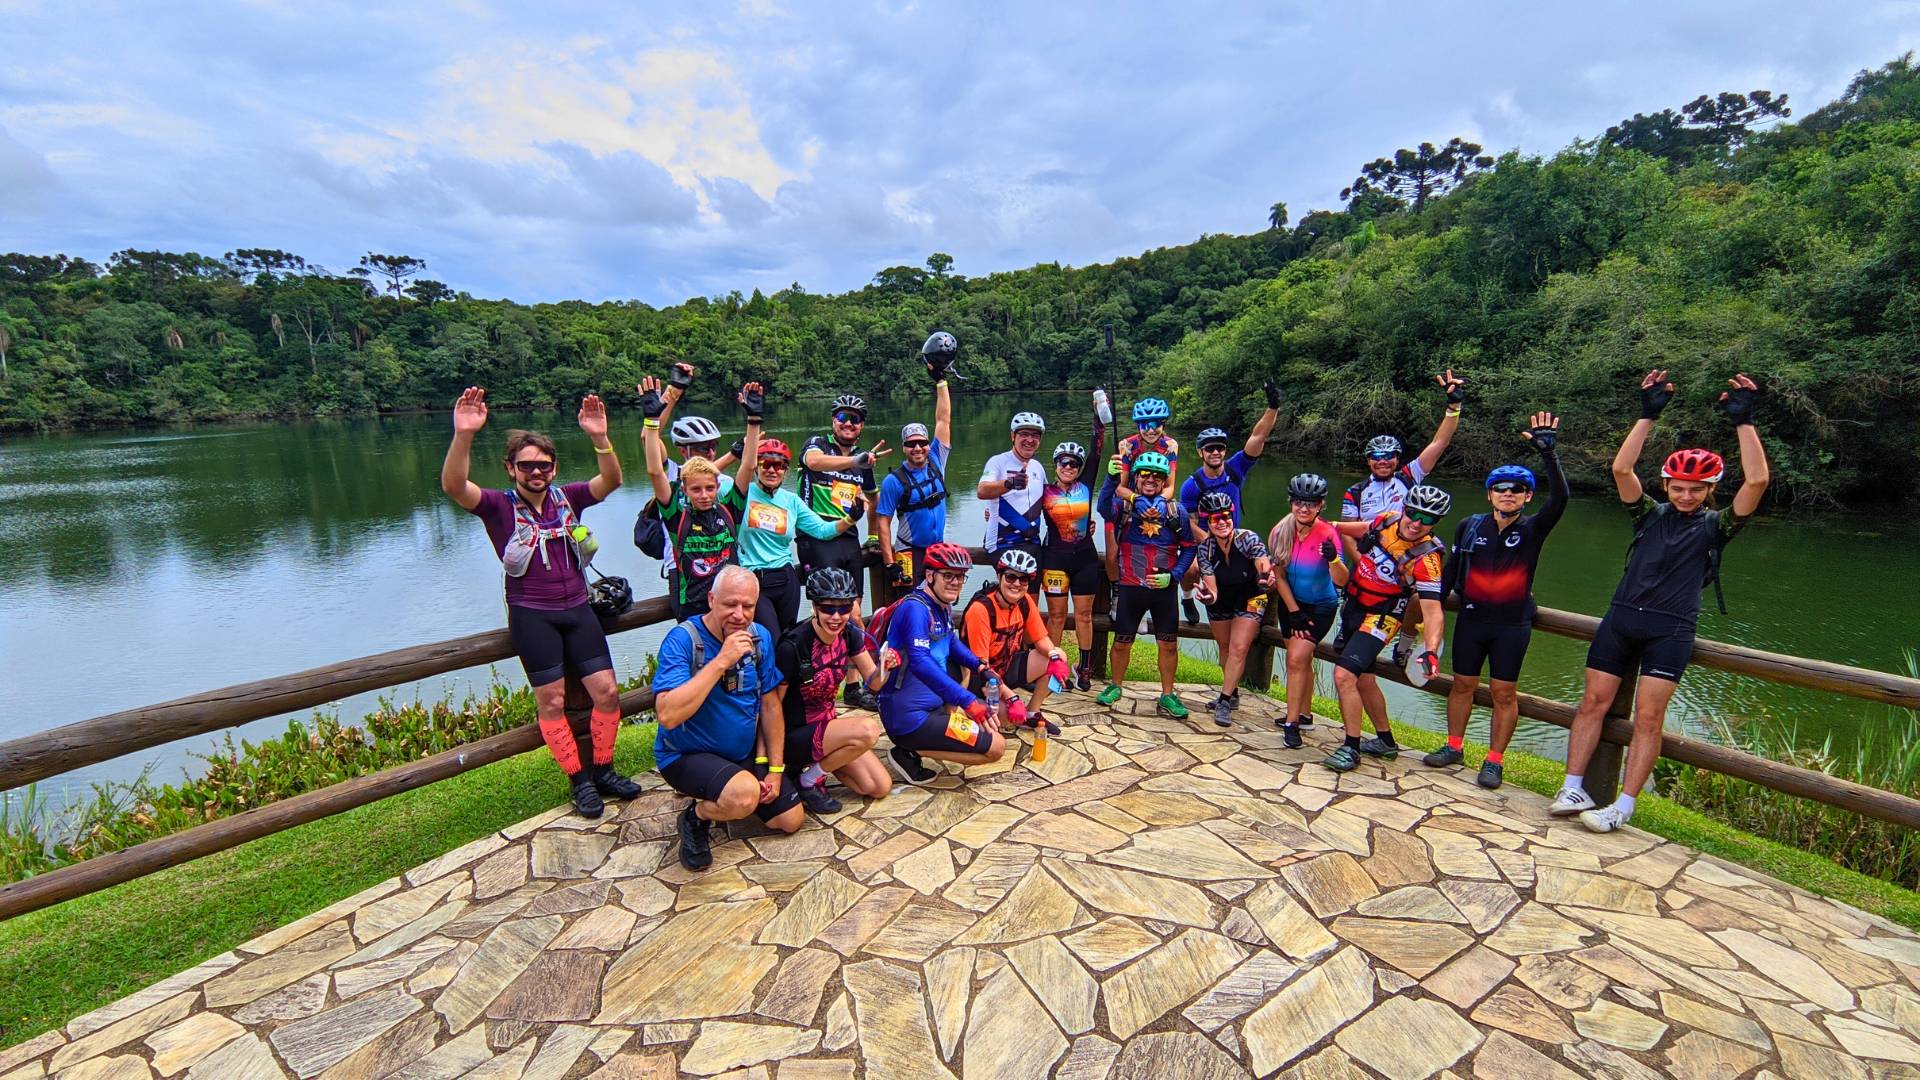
{"points": [[657, 152]]}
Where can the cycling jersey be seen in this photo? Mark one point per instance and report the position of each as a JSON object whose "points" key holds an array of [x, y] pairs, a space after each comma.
{"points": [[1150, 535], [1236, 575], [703, 542], [1493, 567], [830, 493], [1133, 446], [555, 579], [1308, 576], [920, 630], [996, 631], [813, 682], [1672, 552], [1014, 518], [769, 521], [1233, 476], [916, 499], [1397, 565], [1370, 496], [1068, 513]]}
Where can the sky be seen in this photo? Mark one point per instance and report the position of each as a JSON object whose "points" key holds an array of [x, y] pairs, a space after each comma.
{"points": [[659, 151]]}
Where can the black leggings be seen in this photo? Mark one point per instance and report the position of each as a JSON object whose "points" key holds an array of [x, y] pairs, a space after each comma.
{"points": [[779, 607], [551, 643]]}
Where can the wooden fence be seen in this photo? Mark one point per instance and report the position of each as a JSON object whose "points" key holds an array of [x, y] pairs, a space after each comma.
{"points": [[63, 749]]}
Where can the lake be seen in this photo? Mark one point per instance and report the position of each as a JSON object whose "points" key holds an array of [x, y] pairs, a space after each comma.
{"points": [[149, 565]]}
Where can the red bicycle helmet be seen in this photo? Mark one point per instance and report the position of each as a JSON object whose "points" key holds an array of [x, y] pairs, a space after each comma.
{"points": [[773, 448], [948, 557], [1702, 465]]}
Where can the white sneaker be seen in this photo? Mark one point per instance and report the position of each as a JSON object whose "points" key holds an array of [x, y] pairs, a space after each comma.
{"points": [[1605, 819], [1570, 801]]}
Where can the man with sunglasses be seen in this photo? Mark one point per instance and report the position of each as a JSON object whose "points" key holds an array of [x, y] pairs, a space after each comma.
{"points": [[1010, 489], [536, 532], [927, 713], [914, 494], [1400, 560], [1494, 559], [1152, 546], [1218, 472], [1003, 626], [835, 474]]}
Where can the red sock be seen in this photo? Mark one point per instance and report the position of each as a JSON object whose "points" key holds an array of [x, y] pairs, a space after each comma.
{"points": [[1455, 742], [605, 728], [1496, 756], [559, 736]]}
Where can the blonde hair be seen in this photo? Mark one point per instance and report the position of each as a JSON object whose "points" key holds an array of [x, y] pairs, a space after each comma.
{"points": [[1280, 540], [699, 466]]}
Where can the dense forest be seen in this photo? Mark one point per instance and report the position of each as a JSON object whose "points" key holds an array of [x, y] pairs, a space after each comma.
{"points": [[1717, 236]]}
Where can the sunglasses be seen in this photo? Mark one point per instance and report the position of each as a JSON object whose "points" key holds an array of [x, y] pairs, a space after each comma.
{"points": [[1010, 577], [777, 466], [1216, 519], [834, 609], [1509, 489], [534, 466], [845, 417], [1144, 473], [1147, 425], [1423, 518], [1214, 447], [1308, 502], [1067, 462], [705, 450], [918, 444], [1381, 457]]}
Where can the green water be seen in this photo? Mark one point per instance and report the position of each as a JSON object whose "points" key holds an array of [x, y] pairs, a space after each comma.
{"points": [[143, 566]]}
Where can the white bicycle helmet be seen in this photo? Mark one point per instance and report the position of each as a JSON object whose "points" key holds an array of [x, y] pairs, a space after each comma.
{"points": [[694, 430], [1016, 561], [1071, 450], [1028, 421], [1429, 500]]}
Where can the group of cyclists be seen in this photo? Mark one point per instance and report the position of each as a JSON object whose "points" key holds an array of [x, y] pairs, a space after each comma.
{"points": [[746, 687]]}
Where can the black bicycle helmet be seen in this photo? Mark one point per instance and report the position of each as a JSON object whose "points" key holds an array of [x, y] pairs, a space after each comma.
{"points": [[940, 346], [1216, 502], [852, 403], [1307, 486], [610, 596], [831, 583], [1212, 436]]}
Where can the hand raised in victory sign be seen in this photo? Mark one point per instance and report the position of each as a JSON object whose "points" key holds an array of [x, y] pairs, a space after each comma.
{"points": [[1454, 385], [470, 412], [593, 416]]}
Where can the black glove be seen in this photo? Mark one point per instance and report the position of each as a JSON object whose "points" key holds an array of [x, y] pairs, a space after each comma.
{"points": [[680, 376], [1738, 404], [652, 404], [1017, 481], [1274, 396], [1456, 392], [897, 576], [1544, 438], [1299, 619], [753, 403], [1368, 541], [858, 508], [863, 460], [938, 366], [739, 448], [1328, 551], [1653, 400]]}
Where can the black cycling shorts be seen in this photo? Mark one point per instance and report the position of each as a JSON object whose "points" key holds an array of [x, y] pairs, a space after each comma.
{"points": [[1015, 677], [806, 743], [552, 643], [1135, 601], [1071, 570], [1501, 646], [1323, 616], [843, 552], [1247, 603], [705, 776], [1368, 630], [1663, 643], [779, 606], [940, 731]]}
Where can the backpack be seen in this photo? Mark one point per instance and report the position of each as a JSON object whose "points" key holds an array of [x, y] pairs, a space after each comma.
{"points": [[1713, 557], [934, 487], [650, 532], [878, 623], [700, 647], [983, 597], [1412, 555]]}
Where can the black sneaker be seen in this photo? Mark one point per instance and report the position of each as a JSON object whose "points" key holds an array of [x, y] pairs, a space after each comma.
{"points": [[1489, 777], [695, 852], [611, 785], [1305, 720], [586, 799], [815, 798], [1378, 747], [1034, 720], [1290, 734], [910, 766], [1191, 611], [1082, 677], [1442, 758], [857, 696]]}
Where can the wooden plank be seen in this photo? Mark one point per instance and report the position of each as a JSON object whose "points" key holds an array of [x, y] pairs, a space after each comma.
{"points": [[115, 867], [87, 742]]}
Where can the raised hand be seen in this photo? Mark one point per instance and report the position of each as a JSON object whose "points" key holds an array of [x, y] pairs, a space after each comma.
{"points": [[593, 416], [1454, 385], [1655, 393], [1738, 400], [1543, 432], [651, 403], [1274, 396], [879, 451], [470, 412], [679, 377], [753, 401]]}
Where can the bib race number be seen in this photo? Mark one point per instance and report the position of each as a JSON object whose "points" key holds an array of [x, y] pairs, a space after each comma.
{"points": [[767, 517], [1055, 582], [842, 493], [961, 728]]}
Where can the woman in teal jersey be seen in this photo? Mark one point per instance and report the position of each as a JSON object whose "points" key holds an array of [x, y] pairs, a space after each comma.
{"points": [[771, 517]]}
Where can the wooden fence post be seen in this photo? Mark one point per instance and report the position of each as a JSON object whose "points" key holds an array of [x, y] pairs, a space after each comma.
{"points": [[1102, 606], [1602, 778]]}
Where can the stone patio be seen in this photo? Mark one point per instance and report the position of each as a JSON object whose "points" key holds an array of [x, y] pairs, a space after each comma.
{"points": [[1158, 900]]}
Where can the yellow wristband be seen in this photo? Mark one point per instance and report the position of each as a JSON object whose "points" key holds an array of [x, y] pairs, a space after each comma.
{"points": [[776, 769], [650, 423], [605, 450], [1454, 412], [761, 760]]}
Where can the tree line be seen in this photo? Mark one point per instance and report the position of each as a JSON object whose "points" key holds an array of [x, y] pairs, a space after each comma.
{"points": [[1702, 238]]}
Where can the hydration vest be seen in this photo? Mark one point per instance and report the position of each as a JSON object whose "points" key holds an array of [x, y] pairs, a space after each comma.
{"points": [[922, 494]]}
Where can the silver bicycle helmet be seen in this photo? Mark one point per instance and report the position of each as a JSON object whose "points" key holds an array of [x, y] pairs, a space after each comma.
{"points": [[1072, 450], [694, 430], [1429, 500], [1028, 421], [1016, 561]]}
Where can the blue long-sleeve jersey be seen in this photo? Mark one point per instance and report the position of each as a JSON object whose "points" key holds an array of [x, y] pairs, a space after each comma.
{"points": [[921, 631], [1151, 535]]}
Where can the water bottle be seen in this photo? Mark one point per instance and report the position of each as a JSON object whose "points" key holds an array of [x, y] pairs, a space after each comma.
{"points": [[1102, 408], [993, 698]]}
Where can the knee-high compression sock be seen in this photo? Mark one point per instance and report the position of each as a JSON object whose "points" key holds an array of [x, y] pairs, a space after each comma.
{"points": [[605, 727], [559, 736]]}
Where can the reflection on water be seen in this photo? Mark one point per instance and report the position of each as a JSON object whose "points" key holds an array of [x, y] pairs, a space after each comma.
{"points": [[146, 566]]}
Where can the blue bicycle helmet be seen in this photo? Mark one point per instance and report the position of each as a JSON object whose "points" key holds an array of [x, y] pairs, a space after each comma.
{"points": [[1151, 409], [1512, 474]]}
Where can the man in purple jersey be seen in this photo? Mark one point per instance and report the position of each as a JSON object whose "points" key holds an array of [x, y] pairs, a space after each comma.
{"points": [[535, 528]]}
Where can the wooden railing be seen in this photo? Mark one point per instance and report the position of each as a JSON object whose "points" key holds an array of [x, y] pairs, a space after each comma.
{"points": [[63, 749]]}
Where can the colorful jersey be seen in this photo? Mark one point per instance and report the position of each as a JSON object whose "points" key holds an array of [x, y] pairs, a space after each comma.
{"points": [[811, 686], [1069, 514], [1671, 556], [700, 542], [1133, 446], [917, 499], [1013, 518], [1233, 570], [1233, 476], [555, 580], [995, 631], [921, 631], [769, 522], [1370, 497], [830, 493], [1493, 567], [1150, 535], [727, 721], [1398, 565], [1309, 576]]}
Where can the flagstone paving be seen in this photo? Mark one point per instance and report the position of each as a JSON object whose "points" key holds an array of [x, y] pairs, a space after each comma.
{"points": [[1158, 900]]}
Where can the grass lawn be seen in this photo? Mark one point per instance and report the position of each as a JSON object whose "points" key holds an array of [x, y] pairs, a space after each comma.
{"points": [[61, 962]]}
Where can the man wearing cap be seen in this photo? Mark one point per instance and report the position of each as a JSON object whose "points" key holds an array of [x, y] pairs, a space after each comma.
{"points": [[915, 492]]}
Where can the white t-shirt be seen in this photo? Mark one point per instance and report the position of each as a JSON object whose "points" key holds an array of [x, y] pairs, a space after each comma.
{"points": [[1025, 502]]}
